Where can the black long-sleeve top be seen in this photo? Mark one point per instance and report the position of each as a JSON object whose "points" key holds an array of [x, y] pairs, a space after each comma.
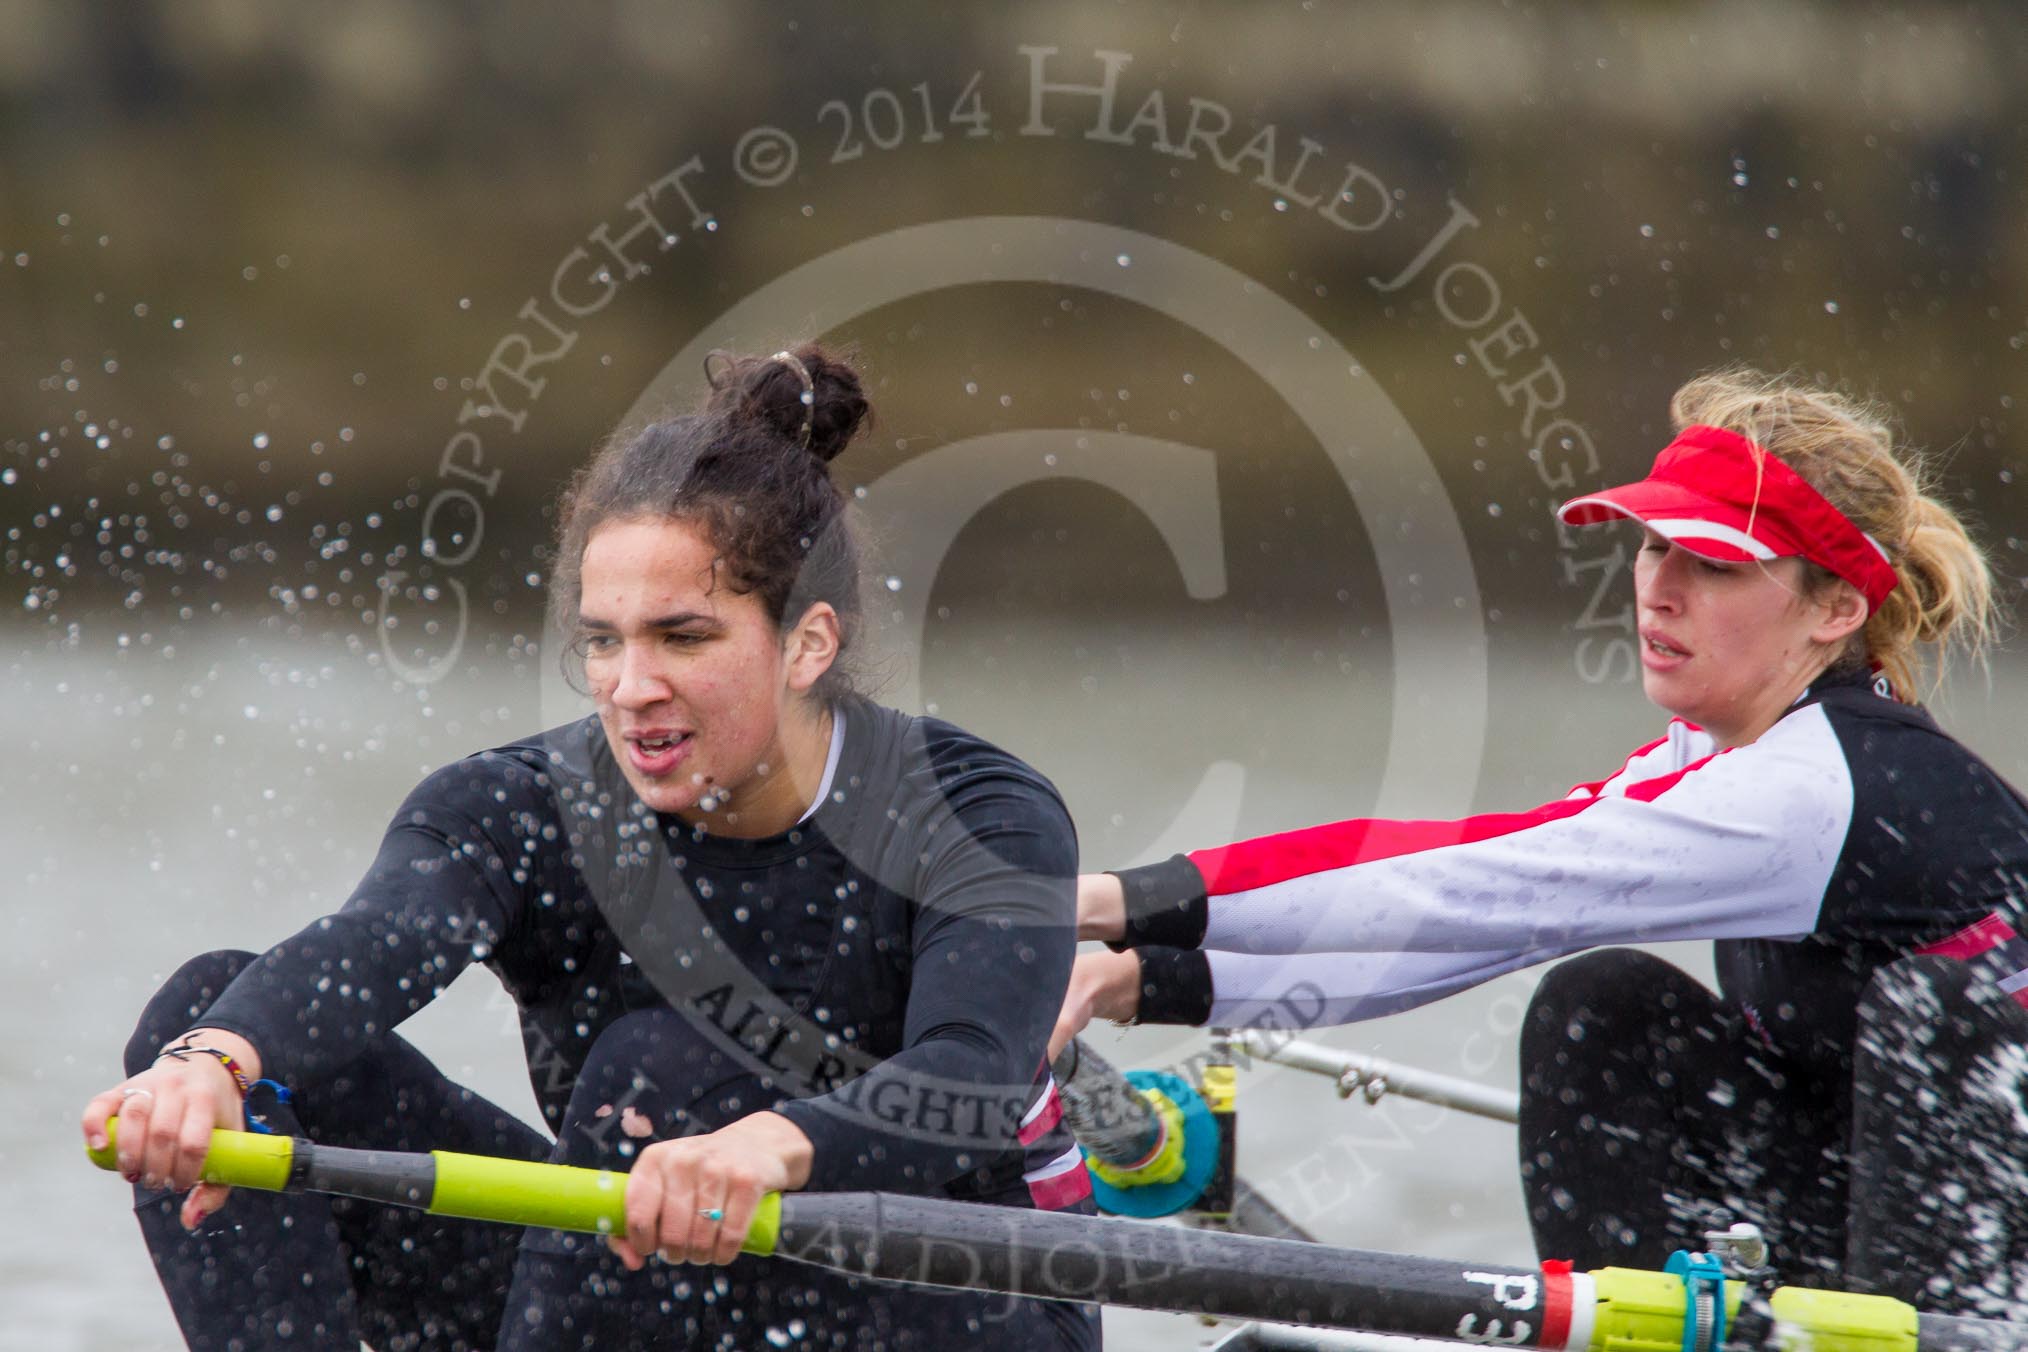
{"points": [[894, 963]]}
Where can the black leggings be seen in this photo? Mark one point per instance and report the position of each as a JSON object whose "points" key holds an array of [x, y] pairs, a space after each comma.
{"points": [[307, 1271], [1651, 1113], [318, 1272]]}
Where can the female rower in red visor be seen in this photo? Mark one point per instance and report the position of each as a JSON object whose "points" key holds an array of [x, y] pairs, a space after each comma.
{"points": [[1854, 1086]]}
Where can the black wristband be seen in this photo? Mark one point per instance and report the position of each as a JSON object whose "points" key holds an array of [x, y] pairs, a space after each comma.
{"points": [[1166, 904], [1175, 986]]}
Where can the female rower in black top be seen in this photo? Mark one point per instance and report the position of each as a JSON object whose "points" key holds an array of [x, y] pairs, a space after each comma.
{"points": [[763, 935], [1856, 1087]]}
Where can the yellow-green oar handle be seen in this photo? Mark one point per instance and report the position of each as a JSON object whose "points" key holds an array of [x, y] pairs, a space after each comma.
{"points": [[558, 1197], [443, 1183], [240, 1159], [520, 1192]]}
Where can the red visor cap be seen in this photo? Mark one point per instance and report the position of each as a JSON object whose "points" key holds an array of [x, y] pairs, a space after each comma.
{"points": [[1719, 495]]}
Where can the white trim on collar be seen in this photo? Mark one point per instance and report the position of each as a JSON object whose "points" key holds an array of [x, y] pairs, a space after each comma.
{"points": [[830, 764]]}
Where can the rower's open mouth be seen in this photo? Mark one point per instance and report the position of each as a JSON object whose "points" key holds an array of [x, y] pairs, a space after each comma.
{"points": [[1661, 646], [654, 745], [658, 753]]}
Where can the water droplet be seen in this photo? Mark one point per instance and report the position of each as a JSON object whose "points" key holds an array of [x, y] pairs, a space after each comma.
{"points": [[894, 584], [260, 441], [1124, 260], [251, 712], [275, 512], [1830, 307], [1647, 232]]}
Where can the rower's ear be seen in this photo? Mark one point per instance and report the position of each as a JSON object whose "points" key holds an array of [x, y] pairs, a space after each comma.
{"points": [[1841, 613], [811, 646]]}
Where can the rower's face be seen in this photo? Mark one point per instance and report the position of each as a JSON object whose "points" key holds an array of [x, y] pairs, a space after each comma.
{"points": [[691, 678], [1729, 646]]}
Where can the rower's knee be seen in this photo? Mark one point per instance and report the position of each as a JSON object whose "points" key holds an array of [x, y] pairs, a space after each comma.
{"points": [[181, 1003], [1604, 979]]}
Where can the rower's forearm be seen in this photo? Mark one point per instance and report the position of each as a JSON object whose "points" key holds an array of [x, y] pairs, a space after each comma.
{"points": [[1101, 907]]}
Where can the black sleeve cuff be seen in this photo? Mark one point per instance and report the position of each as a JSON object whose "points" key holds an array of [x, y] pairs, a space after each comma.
{"points": [[1166, 904], [1175, 986]]}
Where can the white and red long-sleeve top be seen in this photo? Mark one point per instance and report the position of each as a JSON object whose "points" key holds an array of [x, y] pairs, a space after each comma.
{"points": [[1853, 832]]}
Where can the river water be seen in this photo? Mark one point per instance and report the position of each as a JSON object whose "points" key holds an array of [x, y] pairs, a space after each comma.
{"points": [[168, 801]]}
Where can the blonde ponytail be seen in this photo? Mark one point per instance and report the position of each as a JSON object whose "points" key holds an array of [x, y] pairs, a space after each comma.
{"points": [[1846, 450], [1944, 603]]}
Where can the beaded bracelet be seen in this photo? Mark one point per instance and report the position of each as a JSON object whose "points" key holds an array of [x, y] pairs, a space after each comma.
{"points": [[183, 1051]]}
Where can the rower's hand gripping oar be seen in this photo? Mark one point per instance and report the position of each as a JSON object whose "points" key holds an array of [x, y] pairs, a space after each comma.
{"points": [[443, 1183], [1064, 1256]]}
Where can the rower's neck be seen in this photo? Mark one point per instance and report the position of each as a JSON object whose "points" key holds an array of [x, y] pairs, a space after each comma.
{"points": [[785, 783]]}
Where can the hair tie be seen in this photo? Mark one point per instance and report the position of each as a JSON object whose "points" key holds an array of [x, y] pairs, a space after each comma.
{"points": [[795, 363]]}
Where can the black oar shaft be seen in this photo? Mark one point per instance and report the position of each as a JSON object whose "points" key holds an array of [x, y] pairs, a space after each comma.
{"points": [[1119, 1262]]}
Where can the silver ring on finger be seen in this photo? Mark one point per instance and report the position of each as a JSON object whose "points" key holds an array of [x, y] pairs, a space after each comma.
{"points": [[126, 1094]]}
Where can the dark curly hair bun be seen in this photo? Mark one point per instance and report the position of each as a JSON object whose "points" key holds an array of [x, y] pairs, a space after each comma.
{"points": [[822, 415]]}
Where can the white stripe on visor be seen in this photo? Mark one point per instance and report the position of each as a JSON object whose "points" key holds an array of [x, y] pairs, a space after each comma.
{"points": [[1692, 529]]}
